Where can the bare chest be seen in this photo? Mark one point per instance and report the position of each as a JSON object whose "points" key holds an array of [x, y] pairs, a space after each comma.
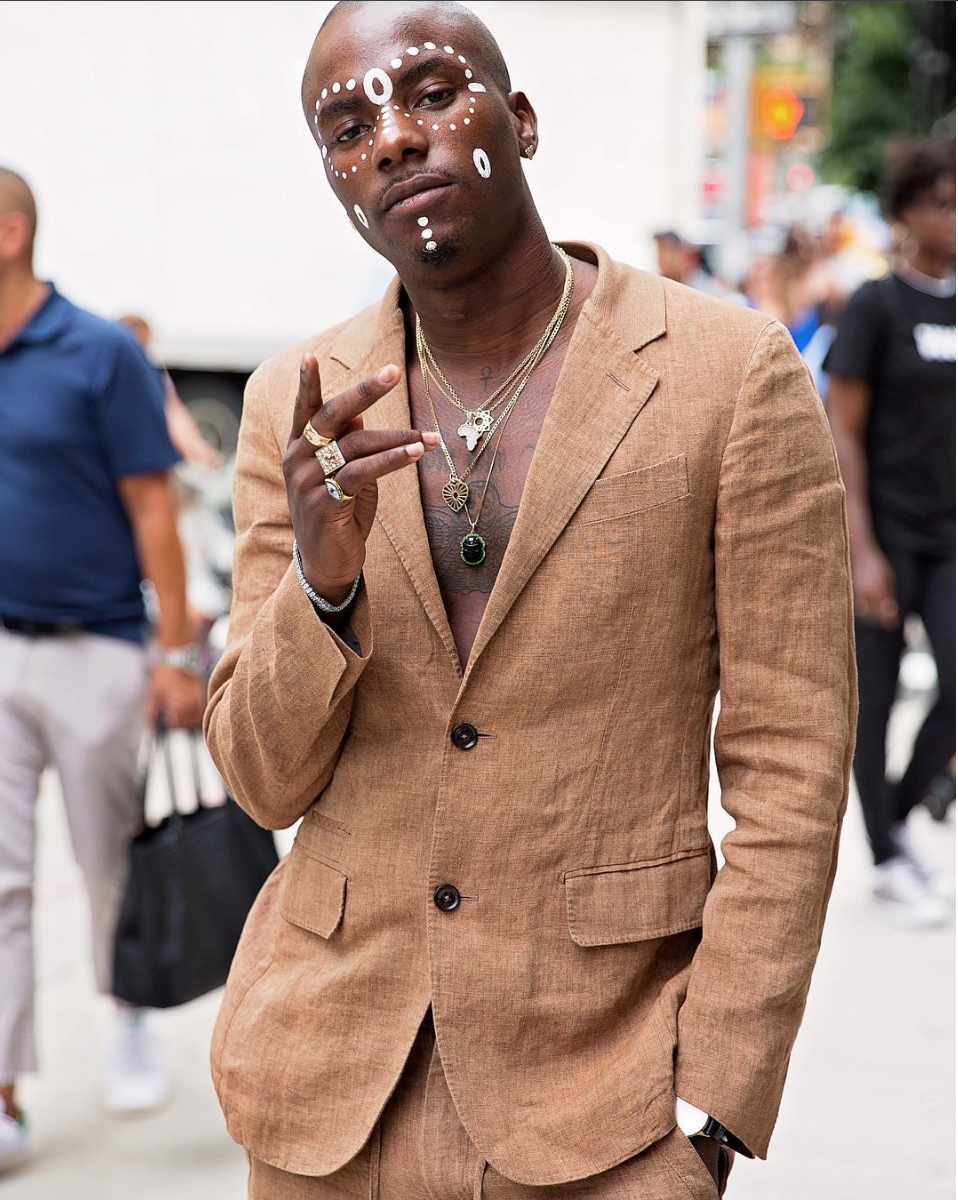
{"points": [[494, 496]]}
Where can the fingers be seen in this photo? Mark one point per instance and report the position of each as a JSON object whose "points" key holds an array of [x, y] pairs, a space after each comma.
{"points": [[355, 475], [362, 443], [309, 396], [335, 415]]}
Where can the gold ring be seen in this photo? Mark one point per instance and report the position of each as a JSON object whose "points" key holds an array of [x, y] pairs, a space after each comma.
{"points": [[330, 458], [337, 492], [314, 438]]}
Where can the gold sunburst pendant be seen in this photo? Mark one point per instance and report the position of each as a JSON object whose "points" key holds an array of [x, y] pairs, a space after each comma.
{"points": [[456, 493]]}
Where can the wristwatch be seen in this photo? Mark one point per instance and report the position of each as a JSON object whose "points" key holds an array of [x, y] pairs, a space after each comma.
{"points": [[188, 659]]}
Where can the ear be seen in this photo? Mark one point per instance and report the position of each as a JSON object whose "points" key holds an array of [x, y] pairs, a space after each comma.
{"points": [[524, 120]]}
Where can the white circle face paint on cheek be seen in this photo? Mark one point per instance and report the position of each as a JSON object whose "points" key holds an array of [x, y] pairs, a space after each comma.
{"points": [[361, 216], [483, 165], [376, 75]]}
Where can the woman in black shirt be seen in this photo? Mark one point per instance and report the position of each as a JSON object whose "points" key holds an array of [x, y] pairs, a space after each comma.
{"points": [[891, 402]]}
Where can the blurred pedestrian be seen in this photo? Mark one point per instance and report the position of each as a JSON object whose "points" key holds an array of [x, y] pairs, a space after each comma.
{"points": [[185, 434], [891, 402], [683, 262], [87, 513]]}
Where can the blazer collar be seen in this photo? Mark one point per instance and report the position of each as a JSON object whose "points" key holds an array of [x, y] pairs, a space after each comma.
{"points": [[603, 385]]}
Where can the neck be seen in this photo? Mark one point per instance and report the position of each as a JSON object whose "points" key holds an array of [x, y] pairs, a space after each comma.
{"points": [[21, 294], [927, 263], [495, 312]]}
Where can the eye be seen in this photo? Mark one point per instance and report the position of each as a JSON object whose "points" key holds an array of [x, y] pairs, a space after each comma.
{"points": [[351, 133], [434, 97]]}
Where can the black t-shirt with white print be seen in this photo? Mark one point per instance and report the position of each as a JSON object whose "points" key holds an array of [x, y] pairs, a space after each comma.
{"points": [[899, 337]]}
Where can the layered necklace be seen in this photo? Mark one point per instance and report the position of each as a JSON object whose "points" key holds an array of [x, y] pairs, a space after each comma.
{"points": [[482, 423]]}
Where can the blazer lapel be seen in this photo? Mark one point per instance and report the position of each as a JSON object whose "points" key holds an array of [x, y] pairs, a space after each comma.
{"points": [[601, 389], [399, 511]]}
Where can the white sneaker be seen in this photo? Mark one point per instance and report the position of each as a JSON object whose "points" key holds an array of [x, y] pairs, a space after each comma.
{"points": [[933, 881], [138, 1081], [903, 896], [14, 1140]]}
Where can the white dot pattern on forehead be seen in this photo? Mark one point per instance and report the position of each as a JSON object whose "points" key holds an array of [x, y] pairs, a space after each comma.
{"points": [[378, 87]]}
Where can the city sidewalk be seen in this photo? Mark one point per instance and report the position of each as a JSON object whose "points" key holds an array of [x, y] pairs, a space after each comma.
{"points": [[868, 1110]]}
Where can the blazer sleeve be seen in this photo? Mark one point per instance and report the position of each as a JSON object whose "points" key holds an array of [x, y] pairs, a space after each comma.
{"points": [[783, 742], [281, 695]]}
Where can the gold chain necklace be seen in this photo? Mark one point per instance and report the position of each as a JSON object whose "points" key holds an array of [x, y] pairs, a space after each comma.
{"points": [[479, 421], [473, 546]]}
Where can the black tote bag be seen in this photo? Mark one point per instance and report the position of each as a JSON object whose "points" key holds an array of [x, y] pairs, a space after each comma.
{"points": [[192, 881]]}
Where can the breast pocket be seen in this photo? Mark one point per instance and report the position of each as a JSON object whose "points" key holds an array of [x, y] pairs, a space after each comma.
{"points": [[614, 496]]}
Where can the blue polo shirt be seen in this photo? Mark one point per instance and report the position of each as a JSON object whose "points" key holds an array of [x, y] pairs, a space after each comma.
{"points": [[80, 408]]}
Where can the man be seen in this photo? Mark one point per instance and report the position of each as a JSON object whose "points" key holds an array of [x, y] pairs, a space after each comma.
{"points": [[680, 261], [87, 513], [499, 961]]}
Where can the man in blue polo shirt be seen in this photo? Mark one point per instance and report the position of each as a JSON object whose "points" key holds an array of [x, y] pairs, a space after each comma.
{"points": [[86, 513]]}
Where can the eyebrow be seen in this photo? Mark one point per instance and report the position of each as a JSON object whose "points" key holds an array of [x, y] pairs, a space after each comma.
{"points": [[410, 75]]}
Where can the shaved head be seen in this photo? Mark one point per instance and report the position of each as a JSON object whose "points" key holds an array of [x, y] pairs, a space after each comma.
{"points": [[18, 216]]}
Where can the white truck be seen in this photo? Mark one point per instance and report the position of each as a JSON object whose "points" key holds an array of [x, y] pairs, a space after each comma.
{"points": [[176, 177]]}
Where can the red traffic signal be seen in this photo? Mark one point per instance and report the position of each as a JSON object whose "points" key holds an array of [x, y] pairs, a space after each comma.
{"points": [[780, 112]]}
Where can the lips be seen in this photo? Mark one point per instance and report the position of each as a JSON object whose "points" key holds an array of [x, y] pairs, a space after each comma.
{"points": [[412, 193]]}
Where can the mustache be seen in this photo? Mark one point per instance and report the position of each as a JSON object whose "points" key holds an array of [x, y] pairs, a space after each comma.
{"points": [[412, 174]]}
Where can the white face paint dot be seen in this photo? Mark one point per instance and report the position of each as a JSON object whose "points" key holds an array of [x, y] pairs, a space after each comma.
{"points": [[448, 49], [352, 168], [419, 122], [461, 59], [315, 120], [481, 159], [435, 126], [430, 245], [426, 233], [360, 216], [423, 220], [323, 94], [473, 111], [429, 45], [317, 106], [324, 152], [350, 84], [465, 121], [413, 50], [452, 127], [377, 85], [370, 141], [405, 114], [396, 107], [362, 156], [468, 74], [476, 87], [337, 86], [395, 63]]}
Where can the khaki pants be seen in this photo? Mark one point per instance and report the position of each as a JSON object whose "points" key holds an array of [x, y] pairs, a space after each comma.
{"points": [[74, 701], [420, 1151]]}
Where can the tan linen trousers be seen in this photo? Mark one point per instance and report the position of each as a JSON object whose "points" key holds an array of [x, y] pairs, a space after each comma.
{"points": [[418, 1150]]}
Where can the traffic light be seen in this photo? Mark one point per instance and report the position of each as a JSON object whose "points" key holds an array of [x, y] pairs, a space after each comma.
{"points": [[780, 112]]}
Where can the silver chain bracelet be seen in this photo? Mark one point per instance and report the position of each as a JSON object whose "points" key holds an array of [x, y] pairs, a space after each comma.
{"points": [[315, 598]]}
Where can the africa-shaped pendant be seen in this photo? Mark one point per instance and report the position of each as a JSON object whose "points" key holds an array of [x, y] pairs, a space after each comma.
{"points": [[472, 549], [455, 493]]}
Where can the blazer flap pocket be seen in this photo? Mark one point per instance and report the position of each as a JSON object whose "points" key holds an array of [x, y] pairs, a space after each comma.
{"points": [[314, 893], [637, 901], [613, 496]]}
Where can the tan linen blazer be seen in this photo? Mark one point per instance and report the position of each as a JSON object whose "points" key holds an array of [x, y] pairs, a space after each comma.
{"points": [[682, 528]]}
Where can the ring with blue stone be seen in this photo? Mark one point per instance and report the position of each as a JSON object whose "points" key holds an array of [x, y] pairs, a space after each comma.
{"points": [[336, 491]]}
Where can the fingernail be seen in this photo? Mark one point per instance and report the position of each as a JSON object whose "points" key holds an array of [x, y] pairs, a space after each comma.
{"points": [[415, 449], [388, 374], [302, 365], [431, 440]]}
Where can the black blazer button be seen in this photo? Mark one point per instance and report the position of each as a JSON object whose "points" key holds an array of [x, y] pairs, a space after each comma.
{"points": [[465, 736], [446, 897]]}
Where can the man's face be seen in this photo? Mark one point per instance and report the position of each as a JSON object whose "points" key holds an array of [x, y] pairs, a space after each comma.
{"points": [[931, 219], [673, 259], [420, 149]]}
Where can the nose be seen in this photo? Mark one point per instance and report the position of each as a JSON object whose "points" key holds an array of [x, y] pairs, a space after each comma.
{"points": [[398, 137]]}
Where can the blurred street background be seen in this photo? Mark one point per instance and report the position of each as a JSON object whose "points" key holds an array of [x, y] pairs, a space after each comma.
{"points": [[737, 147]]}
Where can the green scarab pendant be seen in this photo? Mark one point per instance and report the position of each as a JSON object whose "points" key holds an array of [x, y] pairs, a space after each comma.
{"points": [[472, 549]]}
